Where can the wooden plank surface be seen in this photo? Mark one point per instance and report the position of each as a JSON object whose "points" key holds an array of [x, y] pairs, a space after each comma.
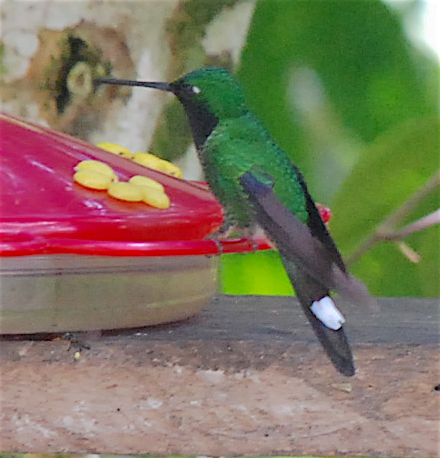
{"points": [[246, 377], [401, 320]]}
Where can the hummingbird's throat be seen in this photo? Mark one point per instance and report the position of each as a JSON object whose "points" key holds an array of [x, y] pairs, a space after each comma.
{"points": [[201, 120]]}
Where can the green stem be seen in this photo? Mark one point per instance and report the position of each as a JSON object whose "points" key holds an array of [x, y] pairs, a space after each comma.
{"points": [[386, 230]]}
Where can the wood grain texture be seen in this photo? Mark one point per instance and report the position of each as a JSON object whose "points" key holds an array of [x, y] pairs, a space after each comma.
{"points": [[244, 377], [402, 320]]}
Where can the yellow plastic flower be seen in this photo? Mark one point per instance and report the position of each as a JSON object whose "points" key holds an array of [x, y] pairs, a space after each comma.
{"points": [[97, 166], [140, 180], [156, 163], [92, 179], [125, 191], [116, 149]]}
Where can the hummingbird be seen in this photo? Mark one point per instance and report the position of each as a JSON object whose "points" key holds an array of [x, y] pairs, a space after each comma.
{"points": [[259, 186]]}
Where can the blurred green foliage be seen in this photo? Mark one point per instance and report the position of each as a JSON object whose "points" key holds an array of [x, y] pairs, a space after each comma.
{"points": [[341, 88], [390, 171], [258, 273]]}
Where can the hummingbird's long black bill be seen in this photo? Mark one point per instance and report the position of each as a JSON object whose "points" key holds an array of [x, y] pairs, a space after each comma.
{"points": [[120, 82]]}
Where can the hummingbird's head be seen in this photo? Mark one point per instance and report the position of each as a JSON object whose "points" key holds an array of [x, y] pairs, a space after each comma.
{"points": [[214, 89], [208, 95]]}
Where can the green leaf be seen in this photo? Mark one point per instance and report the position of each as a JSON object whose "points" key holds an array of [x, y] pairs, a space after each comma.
{"points": [[370, 75], [390, 171]]}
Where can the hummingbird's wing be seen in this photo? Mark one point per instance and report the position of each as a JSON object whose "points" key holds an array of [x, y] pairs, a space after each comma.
{"points": [[312, 248], [313, 264]]}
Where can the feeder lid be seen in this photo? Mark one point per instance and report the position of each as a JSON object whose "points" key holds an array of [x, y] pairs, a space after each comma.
{"points": [[43, 211]]}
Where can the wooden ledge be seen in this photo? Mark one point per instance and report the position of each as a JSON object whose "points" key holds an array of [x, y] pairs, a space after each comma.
{"points": [[244, 377]]}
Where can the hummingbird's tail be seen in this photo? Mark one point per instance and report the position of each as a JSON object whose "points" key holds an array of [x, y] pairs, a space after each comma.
{"points": [[311, 295], [313, 264]]}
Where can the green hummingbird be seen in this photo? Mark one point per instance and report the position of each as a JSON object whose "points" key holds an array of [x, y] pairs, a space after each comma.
{"points": [[258, 185]]}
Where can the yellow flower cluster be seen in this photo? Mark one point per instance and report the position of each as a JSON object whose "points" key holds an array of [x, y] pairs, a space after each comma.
{"points": [[99, 175], [146, 159]]}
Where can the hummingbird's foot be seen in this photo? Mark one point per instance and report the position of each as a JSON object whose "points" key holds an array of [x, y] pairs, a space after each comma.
{"points": [[248, 234], [227, 229], [223, 233], [216, 239]]}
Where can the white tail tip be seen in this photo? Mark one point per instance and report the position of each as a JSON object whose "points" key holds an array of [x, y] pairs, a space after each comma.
{"points": [[326, 312]]}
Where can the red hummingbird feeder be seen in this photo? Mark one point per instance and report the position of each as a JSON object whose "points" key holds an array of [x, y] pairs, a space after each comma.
{"points": [[74, 259]]}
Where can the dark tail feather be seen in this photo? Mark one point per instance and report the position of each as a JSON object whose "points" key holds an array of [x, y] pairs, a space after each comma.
{"points": [[312, 262], [334, 342]]}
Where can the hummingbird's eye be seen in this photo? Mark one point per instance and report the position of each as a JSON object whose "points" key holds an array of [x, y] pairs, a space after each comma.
{"points": [[196, 90]]}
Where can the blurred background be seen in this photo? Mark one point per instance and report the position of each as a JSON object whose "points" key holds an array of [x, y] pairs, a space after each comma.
{"points": [[350, 89]]}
